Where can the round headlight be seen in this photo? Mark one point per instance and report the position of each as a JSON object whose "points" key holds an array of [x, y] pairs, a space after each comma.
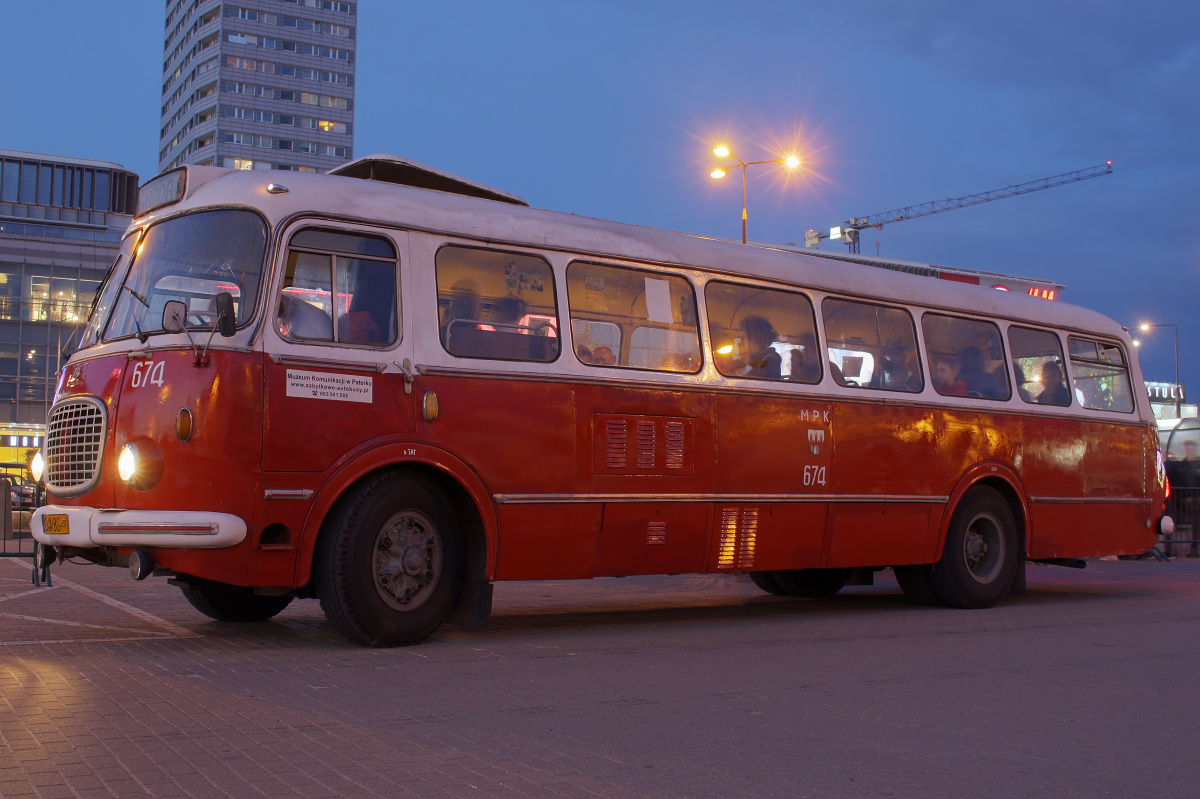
{"points": [[140, 464], [37, 466], [127, 462]]}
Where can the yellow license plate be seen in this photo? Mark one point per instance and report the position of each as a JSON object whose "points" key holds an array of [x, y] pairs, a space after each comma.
{"points": [[55, 524]]}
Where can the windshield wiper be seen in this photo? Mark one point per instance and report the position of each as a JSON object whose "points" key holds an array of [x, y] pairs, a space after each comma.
{"points": [[139, 297]]}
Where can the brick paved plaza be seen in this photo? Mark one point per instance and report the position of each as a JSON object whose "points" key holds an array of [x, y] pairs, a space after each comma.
{"points": [[687, 686]]}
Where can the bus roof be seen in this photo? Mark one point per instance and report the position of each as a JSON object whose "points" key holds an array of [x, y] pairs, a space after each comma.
{"points": [[500, 221]]}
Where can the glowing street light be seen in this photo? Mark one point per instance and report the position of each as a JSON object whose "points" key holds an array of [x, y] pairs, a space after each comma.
{"points": [[1145, 327], [791, 162]]}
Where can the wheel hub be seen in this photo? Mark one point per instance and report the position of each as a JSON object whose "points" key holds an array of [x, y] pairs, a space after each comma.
{"points": [[983, 548], [976, 549], [408, 560]]}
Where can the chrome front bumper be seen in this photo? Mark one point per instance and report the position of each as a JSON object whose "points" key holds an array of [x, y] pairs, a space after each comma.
{"points": [[96, 527]]}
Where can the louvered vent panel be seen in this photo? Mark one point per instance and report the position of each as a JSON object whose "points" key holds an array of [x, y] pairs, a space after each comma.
{"points": [[642, 446], [656, 533], [747, 538], [727, 552], [616, 429], [738, 537], [645, 445], [674, 445]]}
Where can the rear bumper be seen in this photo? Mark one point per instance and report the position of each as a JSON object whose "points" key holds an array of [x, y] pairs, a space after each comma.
{"points": [[94, 527]]}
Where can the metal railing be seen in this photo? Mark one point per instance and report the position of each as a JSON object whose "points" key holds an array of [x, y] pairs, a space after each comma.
{"points": [[1184, 507], [16, 538]]}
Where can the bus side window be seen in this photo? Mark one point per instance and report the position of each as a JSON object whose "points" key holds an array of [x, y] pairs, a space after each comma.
{"points": [[340, 287], [968, 357], [1101, 377], [498, 305], [871, 346], [764, 334], [305, 304], [660, 309], [1037, 360]]}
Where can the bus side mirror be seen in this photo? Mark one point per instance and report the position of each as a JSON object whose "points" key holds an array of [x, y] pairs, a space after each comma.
{"points": [[174, 316], [226, 316]]}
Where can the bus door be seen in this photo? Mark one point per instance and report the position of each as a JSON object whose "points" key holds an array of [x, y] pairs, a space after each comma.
{"points": [[645, 456], [334, 350]]}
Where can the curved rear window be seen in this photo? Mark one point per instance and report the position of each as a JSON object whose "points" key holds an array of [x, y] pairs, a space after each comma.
{"points": [[191, 259]]}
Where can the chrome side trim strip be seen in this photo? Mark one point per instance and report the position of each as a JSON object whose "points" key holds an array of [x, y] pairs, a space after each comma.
{"points": [[1093, 500], [288, 493], [558, 499], [106, 528], [319, 363]]}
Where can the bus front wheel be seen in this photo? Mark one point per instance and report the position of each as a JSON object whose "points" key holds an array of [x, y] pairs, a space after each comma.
{"points": [[391, 562], [979, 559]]}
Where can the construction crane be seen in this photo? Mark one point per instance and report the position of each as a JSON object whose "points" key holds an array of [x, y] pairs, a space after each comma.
{"points": [[849, 230]]}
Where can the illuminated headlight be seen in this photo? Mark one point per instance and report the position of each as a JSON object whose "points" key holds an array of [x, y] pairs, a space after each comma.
{"points": [[140, 464], [37, 466]]}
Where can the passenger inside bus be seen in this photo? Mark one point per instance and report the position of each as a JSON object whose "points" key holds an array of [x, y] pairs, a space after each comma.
{"points": [[979, 382], [902, 371], [603, 356], [805, 361], [1054, 390], [945, 377], [1022, 392], [762, 360]]}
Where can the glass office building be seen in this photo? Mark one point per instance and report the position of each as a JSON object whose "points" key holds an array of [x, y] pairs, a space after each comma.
{"points": [[61, 221], [258, 84]]}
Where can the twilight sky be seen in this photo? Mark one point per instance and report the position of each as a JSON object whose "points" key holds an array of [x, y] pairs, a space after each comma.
{"points": [[610, 108]]}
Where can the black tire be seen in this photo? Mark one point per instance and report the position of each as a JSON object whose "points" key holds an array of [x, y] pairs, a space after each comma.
{"points": [[390, 562], [979, 559], [812, 583], [234, 604], [767, 582], [914, 582]]}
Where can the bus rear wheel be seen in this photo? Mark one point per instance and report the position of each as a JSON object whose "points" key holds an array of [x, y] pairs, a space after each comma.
{"points": [[234, 604], [391, 562], [979, 559], [812, 583], [915, 583], [767, 582]]}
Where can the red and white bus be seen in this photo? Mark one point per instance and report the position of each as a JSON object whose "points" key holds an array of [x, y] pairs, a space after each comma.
{"points": [[388, 388]]}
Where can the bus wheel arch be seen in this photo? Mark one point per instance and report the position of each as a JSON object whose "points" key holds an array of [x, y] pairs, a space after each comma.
{"points": [[1003, 481]]}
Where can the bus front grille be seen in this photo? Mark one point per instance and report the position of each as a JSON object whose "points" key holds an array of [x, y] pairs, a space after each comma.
{"points": [[75, 433]]}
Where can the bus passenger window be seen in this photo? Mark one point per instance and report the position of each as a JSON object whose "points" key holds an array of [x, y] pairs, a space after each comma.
{"points": [[1037, 361], [337, 276], [498, 305], [871, 346], [658, 310], [1101, 377], [977, 351], [762, 333]]}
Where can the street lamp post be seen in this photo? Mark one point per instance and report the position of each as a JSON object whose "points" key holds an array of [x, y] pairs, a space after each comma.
{"points": [[723, 152], [1178, 388]]}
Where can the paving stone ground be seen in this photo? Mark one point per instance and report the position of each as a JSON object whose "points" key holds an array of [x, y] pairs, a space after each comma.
{"points": [[697, 686]]}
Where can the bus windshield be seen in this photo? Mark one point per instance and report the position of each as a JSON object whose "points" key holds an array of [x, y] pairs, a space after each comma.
{"points": [[191, 259]]}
